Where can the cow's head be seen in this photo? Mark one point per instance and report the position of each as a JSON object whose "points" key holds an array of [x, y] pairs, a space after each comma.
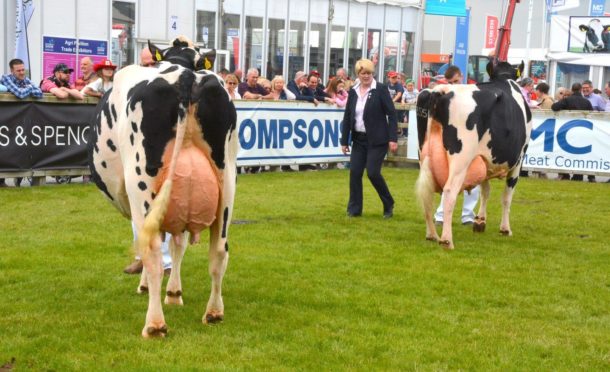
{"points": [[504, 71], [184, 53], [594, 35]]}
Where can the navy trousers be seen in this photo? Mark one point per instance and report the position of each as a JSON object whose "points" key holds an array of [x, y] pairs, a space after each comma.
{"points": [[365, 156]]}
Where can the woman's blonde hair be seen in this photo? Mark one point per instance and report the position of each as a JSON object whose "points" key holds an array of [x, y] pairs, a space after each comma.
{"points": [[231, 77], [277, 78], [365, 65]]}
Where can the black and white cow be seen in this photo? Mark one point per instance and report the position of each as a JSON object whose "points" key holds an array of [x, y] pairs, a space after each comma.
{"points": [[163, 151], [597, 37], [467, 135]]}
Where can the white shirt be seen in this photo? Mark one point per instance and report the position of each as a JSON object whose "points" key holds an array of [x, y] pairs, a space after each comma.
{"points": [[360, 103], [98, 85]]}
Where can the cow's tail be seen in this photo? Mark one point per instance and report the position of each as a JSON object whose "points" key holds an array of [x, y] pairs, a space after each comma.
{"points": [[156, 214], [425, 185]]}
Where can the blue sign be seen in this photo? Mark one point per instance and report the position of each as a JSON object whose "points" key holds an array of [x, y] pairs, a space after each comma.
{"points": [[455, 8], [92, 47], [460, 53], [59, 45], [597, 8]]}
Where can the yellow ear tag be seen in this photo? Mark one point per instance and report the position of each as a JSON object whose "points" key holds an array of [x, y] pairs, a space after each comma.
{"points": [[207, 64], [518, 73], [158, 56]]}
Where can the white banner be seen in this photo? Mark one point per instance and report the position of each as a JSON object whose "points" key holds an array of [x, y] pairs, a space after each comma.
{"points": [[24, 11], [278, 133], [576, 142]]}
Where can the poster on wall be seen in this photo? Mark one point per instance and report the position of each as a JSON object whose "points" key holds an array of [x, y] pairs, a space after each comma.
{"points": [[589, 35], [69, 50]]}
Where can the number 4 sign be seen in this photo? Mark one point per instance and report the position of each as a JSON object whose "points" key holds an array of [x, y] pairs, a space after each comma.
{"points": [[173, 27]]}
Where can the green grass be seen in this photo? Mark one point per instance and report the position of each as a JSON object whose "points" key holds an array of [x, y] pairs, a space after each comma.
{"points": [[309, 289]]}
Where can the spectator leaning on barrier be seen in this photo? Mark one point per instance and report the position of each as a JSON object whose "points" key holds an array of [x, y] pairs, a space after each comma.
{"points": [[573, 102], [336, 91], [545, 100], [231, 83], [17, 83], [89, 75], [299, 88], [527, 87], [105, 71], [314, 89], [279, 90], [59, 84], [598, 103], [250, 89]]}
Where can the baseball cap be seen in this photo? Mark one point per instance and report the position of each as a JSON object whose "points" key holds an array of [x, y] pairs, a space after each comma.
{"points": [[314, 72], [392, 74], [61, 67]]}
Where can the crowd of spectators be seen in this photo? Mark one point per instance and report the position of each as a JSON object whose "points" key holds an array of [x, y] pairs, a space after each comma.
{"points": [[96, 79]]}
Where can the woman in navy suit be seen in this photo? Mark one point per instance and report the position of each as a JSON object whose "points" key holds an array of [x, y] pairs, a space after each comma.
{"points": [[370, 117]]}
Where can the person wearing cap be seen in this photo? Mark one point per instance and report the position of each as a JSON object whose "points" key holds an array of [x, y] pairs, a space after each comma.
{"points": [[395, 87], [59, 84], [86, 68], [105, 71]]}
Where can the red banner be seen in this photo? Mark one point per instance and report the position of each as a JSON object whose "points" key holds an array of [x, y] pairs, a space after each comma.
{"points": [[491, 31]]}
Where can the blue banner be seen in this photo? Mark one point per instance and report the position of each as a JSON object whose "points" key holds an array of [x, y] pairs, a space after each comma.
{"points": [[597, 8], [92, 47], [59, 45], [460, 53], [455, 8]]}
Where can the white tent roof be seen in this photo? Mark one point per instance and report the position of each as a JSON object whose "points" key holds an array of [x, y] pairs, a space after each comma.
{"points": [[587, 59]]}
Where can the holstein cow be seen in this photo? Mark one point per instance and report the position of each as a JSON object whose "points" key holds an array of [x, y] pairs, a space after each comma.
{"points": [[597, 37], [467, 135], [163, 150]]}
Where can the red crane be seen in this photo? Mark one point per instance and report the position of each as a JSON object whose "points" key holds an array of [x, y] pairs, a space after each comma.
{"points": [[504, 33]]}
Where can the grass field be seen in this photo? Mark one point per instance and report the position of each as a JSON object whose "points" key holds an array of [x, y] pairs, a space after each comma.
{"points": [[309, 289]]}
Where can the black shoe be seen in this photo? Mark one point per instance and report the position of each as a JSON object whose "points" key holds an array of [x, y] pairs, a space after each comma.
{"points": [[389, 213], [350, 214]]}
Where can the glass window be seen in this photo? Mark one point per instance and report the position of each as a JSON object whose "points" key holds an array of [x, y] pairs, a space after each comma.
{"points": [[337, 46], [317, 45], [123, 32], [296, 52], [229, 40], [391, 45], [373, 37], [254, 42], [275, 42], [206, 28], [406, 51], [567, 74], [356, 37]]}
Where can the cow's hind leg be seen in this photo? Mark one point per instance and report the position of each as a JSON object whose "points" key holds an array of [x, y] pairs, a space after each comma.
{"points": [[425, 192], [450, 192], [219, 258], [177, 247], [481, 218], [507, 197], [153, 264]]}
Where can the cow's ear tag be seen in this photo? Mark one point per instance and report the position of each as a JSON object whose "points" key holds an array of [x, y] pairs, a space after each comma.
{"points": [[208, 59], [208, 65], [157, 53]]}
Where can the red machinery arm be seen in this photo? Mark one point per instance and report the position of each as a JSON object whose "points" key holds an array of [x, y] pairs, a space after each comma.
{"points": [[503, 41]]}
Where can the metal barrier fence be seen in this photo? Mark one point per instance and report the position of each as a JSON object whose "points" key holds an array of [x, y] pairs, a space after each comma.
{"points": [[48, 137]]}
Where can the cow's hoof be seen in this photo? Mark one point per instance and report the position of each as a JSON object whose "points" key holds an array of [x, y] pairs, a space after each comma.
{"points": [[213, 317], [478, 226], [506, 232], [446, 245], [154, 331], [142, 289], [174, 298], [432, 238]]}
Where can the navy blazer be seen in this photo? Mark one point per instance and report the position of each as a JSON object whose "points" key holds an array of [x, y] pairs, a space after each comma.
{"points": [[379, 117]]}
